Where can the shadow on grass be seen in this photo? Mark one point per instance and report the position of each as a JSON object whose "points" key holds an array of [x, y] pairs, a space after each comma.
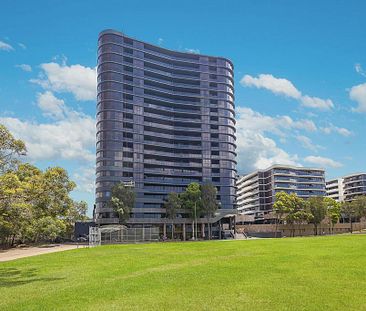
{"points": [[10, 277]]}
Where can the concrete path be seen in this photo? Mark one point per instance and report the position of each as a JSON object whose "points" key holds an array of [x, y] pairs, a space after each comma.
{"points": [[15, 253]]}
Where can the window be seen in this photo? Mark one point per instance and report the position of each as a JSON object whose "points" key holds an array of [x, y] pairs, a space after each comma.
{"points": [[128, 154], [128, 51], [127, 135], [128, 41], [128, 59]]}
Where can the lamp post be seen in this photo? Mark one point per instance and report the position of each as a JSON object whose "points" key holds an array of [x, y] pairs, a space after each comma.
{"points": [[195, 220]]}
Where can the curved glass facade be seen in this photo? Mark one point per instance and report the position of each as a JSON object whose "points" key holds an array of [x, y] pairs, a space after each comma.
{"points": [[164, 119]]}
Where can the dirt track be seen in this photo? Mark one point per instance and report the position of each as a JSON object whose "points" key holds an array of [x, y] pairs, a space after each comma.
{"points": [[15, 253]]}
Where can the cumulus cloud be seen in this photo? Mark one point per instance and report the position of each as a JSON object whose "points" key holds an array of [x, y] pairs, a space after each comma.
{"points": [[70, 137], [269, 82], [255, 121], [284, 87], [335, 129], [316, 102], [75, 79], [307, 143], [84, 179], [5, 46], [51, 106], [322, 161], [358, 94], [255, 150], [24, 67]]}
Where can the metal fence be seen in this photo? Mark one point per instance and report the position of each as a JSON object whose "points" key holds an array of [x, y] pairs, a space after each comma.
{"points": [[121, 234]]}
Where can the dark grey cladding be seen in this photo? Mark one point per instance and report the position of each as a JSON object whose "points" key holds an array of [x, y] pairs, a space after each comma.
{"points": [[164, 119]]}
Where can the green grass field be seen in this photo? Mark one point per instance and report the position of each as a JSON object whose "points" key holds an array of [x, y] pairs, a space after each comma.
{"points": [[323, 273]]}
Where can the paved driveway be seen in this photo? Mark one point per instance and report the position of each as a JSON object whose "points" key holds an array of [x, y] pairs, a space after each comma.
{"points": [[15, 253]]}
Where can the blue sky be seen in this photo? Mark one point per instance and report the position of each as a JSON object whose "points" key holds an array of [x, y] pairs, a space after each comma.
{"points": [[300, 75]]}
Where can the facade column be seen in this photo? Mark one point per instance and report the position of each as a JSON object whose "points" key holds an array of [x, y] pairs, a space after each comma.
{"points": [[193, 230], [164, 230], [203, 230], [184, 232]]}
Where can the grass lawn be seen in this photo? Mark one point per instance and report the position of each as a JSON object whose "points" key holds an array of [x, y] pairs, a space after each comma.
{"points": [[321, 273]]}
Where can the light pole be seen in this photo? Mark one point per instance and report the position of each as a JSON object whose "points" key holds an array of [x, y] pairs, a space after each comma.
{"points": [[195, 220]]}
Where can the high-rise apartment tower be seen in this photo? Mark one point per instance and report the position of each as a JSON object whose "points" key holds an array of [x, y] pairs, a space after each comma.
{"points": [[164, 119]]}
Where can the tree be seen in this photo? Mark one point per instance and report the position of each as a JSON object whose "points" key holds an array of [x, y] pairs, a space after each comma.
{"points": [[191, 199], [34, 204], [348, 209], [281, 207], [318, 210], [76, 212], [10, 149], [360, 206], [333, 211], [209, 203], [290, 207], [14, 212], [122, 201], [47, 229], [172, 204], [301, 214]]}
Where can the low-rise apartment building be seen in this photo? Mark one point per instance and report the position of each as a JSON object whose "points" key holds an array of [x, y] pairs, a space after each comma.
{"points": [[353, 186], [256, 191], [334, 188], [347, 188]]}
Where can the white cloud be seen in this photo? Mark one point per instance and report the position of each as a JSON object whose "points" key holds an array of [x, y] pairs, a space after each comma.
{"points": [[360, 70], [76, 79], [316, 102], [51, 106], [160, 41], [22, 45], [276, 85], [358, 94], [192, 51], [335, 129], [322, 161], [305, 124], [249, 119], [24, 67], [281, 86], [70, 137], [84, 179], [307, 143], [255, 150], [5, 46]]}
